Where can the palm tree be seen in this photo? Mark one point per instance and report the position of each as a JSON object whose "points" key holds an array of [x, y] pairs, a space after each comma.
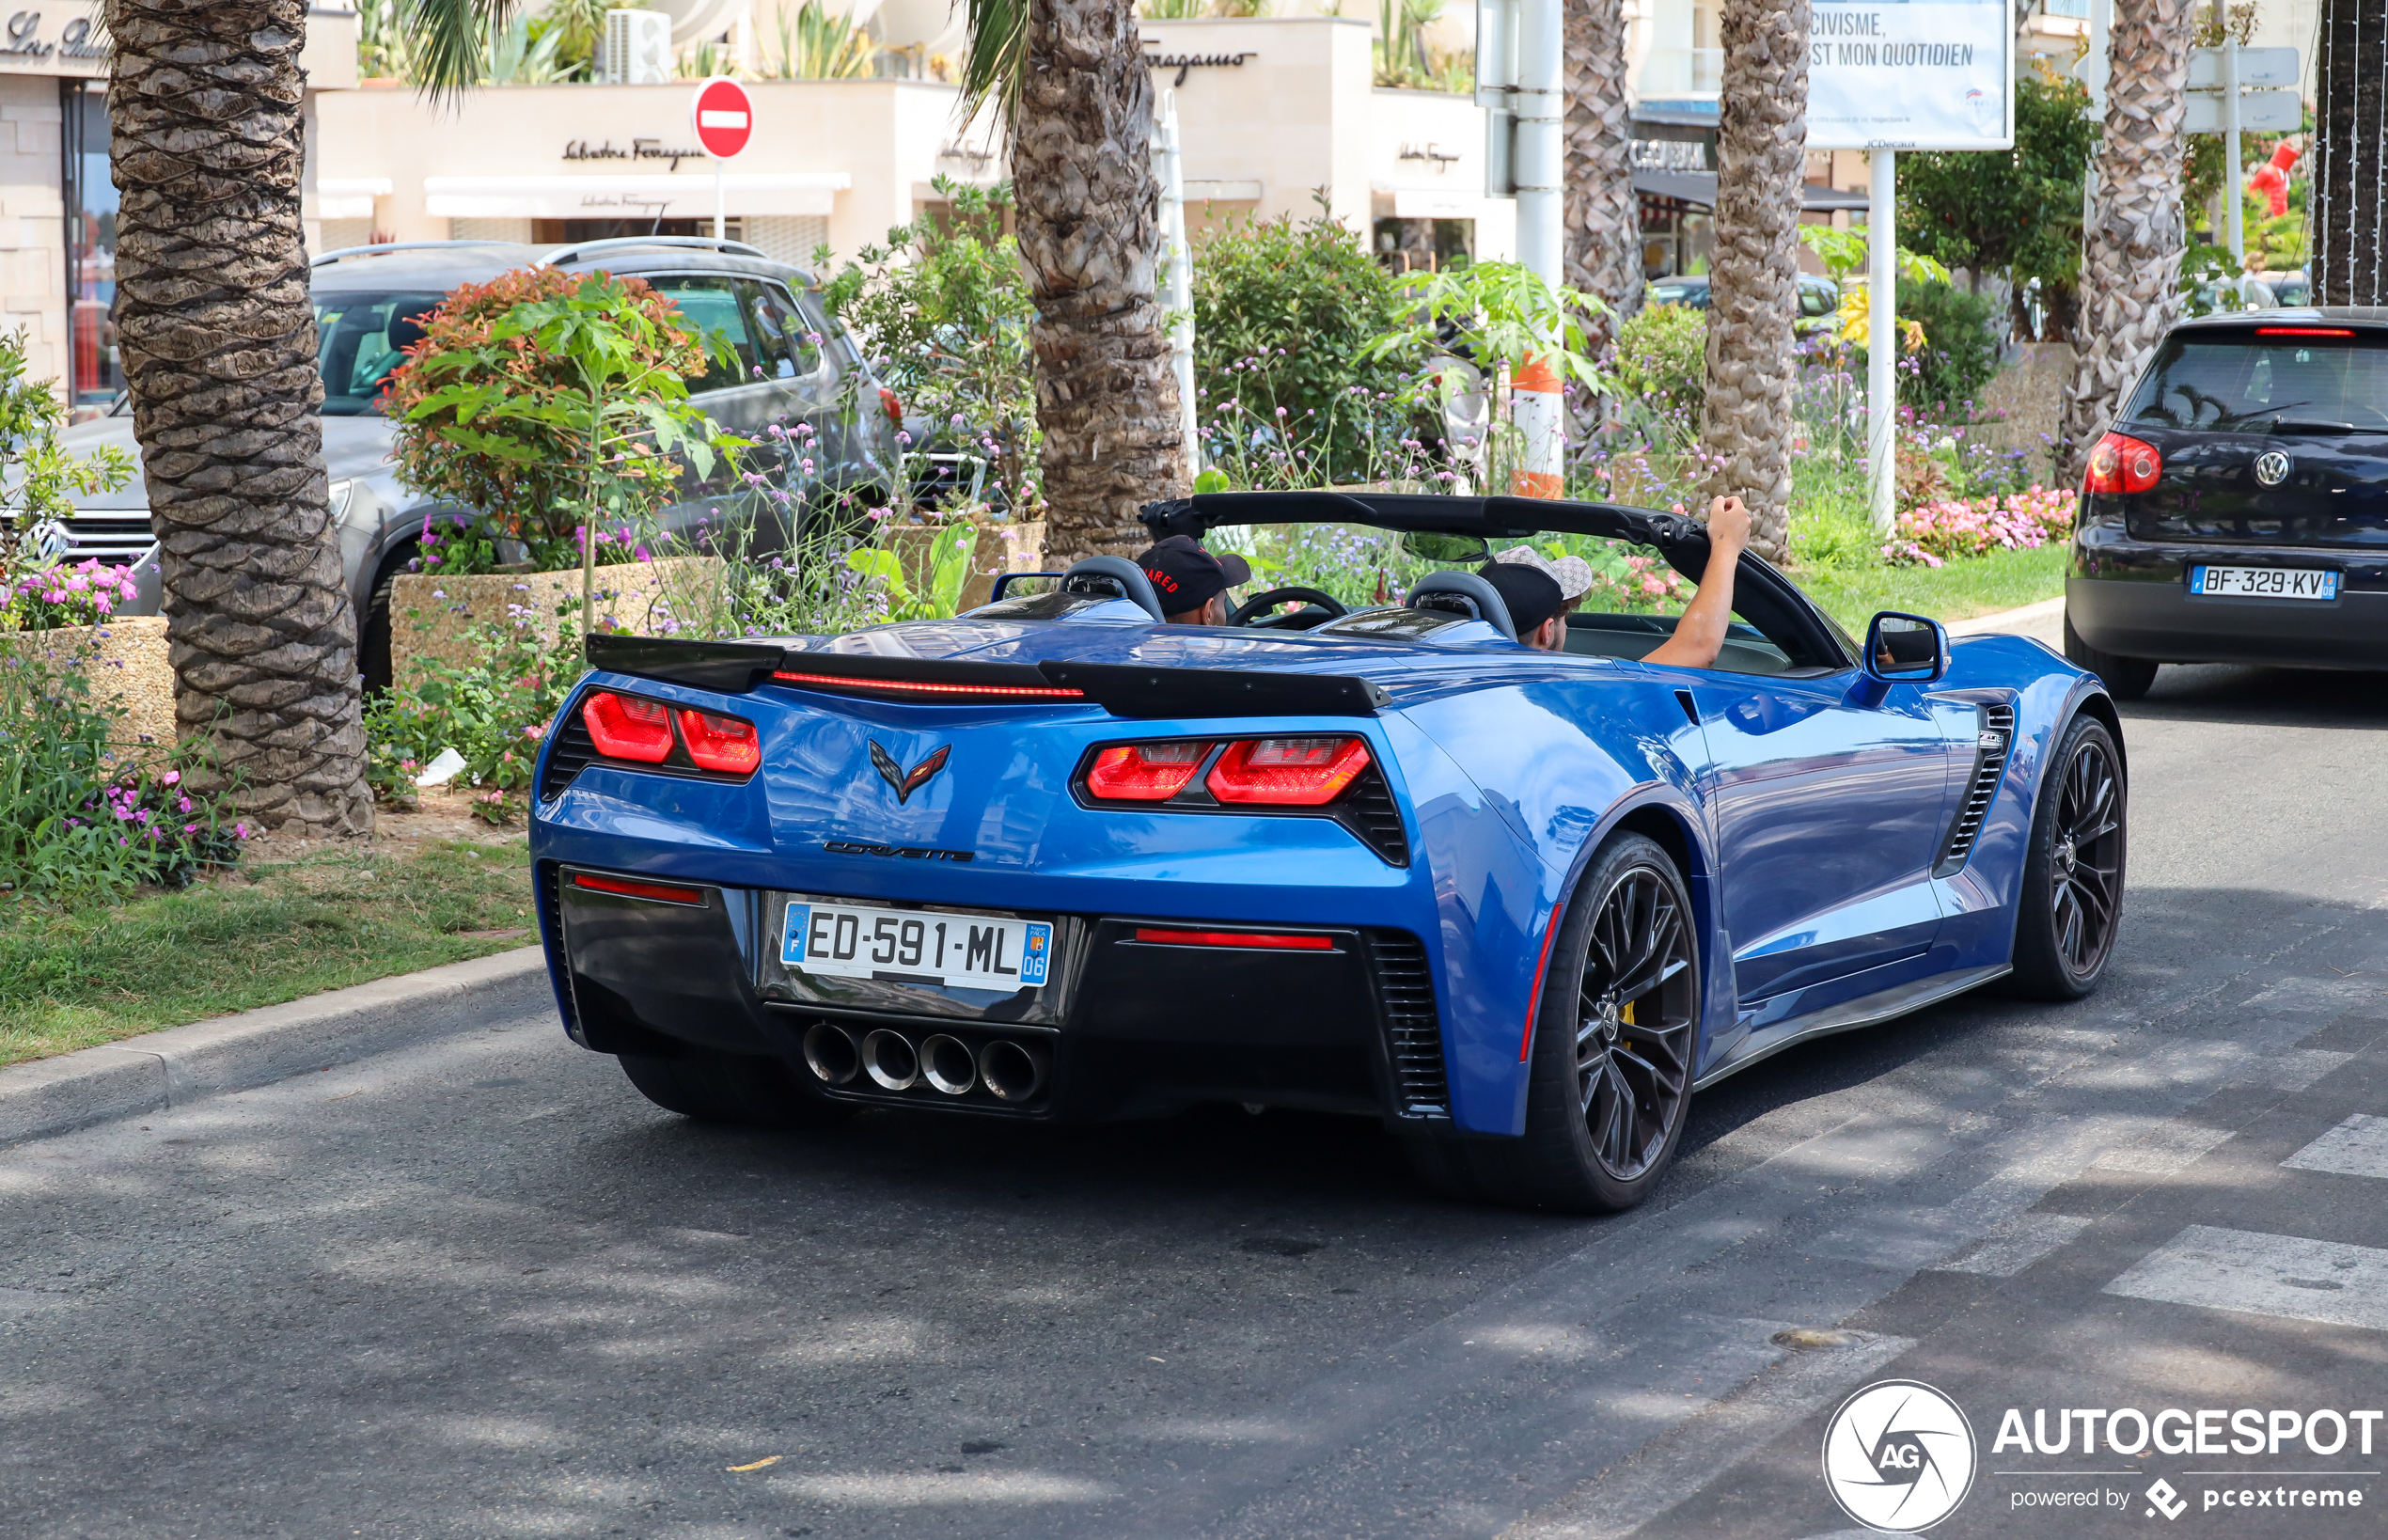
{"points": [[2347, 206], [1753, 281], [2132, 240], [1603, 215], [1070, 78]]}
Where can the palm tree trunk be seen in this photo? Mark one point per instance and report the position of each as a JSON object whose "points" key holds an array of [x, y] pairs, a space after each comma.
{"points": [[1753, 281], [2351, 118], [1090, 233], [1604, 217], [219, 354], [2132, 242]]}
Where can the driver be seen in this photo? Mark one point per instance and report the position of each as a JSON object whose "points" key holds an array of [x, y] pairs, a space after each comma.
{"points": [[1537, 602], [1192, 583]]}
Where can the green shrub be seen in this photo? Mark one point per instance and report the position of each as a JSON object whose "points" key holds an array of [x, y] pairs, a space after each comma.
{"points": [[944, 308], [1662, 358], [1283, 316], [77, 818], [1960, 344]]}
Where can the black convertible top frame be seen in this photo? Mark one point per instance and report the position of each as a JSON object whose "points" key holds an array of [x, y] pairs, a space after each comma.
{"points": [[1764, 596]]}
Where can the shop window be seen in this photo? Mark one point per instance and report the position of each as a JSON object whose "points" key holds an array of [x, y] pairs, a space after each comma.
{"points": [[95, 376], [559, 231]]}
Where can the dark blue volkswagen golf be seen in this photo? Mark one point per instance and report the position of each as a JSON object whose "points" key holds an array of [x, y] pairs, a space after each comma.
{"points": [[2239, 511]]}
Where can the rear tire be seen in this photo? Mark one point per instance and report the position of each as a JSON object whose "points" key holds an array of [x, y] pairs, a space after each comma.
{"points": [[2126, 679], [2071, 905], [1608, 1086], [373, 627], [755, 1091]]}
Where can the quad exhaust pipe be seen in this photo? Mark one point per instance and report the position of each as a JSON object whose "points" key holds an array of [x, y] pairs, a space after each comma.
{"points": [[1010, 1071]]}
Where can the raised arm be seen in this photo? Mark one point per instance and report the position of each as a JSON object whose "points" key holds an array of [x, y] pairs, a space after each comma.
{"points": [[1700, 634]]}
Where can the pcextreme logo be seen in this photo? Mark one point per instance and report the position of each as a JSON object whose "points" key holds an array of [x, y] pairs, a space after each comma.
{"points": [[1899, 1456]]}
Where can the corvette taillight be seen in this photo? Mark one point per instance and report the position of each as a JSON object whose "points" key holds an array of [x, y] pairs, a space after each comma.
{"points": [[2122, 464], [720, 743], [623, 726], [1286, 772], [1144, 772]]}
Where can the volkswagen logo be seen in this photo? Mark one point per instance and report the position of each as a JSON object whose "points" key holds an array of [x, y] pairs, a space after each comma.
{"points": [[1899, 1456], [2272, 468]]}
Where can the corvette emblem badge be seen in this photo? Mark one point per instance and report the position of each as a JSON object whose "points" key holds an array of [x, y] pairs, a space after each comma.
{"points": [[2272, 468], [905, 782]]}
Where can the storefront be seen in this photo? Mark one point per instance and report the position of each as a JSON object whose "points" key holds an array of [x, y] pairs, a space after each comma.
{"points": [[60, 241], [1274, 115]]}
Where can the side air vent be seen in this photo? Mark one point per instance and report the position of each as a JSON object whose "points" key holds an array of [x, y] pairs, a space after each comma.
{"points": [[1368, 810], [1995, 742], [573, 752], [1413, 1032], [550, 882]]}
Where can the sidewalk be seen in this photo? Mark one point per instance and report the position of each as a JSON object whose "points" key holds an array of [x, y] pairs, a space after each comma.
{"points": [[182, 1064]]}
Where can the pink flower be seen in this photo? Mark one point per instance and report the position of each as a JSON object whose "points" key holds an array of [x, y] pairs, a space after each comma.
{"points": [[172, 778]]}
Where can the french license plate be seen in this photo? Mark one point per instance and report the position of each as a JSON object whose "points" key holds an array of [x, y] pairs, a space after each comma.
{"points": [[967, 952], [2263, 583]]}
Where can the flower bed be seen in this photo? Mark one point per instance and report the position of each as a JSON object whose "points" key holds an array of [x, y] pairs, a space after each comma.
{"points": [[1002, 548], [1934, 532]]}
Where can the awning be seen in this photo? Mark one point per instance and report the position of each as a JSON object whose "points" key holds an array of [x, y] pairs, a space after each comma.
{"points": [[631, 196], [1700, 188], [349, 198], [1434, 202]]}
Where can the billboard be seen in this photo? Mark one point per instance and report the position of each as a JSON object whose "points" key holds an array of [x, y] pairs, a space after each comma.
{"points": [[1936, 75]]}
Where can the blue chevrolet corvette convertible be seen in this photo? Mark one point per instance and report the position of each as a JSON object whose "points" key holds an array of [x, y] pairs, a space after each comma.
{"points": [[1056, 858]]}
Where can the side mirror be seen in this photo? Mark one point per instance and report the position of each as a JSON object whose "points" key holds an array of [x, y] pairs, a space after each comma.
{"points": [[1906, 649]]}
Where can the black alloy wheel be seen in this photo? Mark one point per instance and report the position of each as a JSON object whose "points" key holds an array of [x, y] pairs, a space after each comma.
{"points": [[1611, 1069], [2071, 901], [1634, 1022]]}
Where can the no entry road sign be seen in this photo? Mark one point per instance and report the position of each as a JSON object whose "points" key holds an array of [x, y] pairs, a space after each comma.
{"points": [[723, 117]]}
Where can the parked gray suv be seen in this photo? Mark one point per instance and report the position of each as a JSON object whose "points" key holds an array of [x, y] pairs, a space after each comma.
{"points": [[793, 363]]}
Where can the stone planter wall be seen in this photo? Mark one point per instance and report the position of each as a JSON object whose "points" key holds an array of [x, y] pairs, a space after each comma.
{"points": [[128, 666], [440, 619], [1002, 548], [2031, 391]]}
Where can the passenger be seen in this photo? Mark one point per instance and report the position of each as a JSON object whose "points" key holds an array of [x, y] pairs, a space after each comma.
{"points": [[1535, 592], [1192, 583]]}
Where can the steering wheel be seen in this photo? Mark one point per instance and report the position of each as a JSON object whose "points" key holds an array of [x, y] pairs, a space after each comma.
{"points": [[1260, 604]]}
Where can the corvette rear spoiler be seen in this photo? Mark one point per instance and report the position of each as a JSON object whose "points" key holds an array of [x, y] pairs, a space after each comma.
{"points": [[1129, 690]]}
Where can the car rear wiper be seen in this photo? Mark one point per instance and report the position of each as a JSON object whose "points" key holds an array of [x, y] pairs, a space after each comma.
{"points": [[2309, 425]]}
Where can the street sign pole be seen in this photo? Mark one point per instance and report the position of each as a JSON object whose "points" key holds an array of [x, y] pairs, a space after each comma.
{"points": [[2234, 196], [1538, 407], [1882, 337]]}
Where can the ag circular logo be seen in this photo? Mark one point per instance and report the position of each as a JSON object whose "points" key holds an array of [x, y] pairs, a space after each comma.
{"points": [[2272, 468], [1899, 1456]]}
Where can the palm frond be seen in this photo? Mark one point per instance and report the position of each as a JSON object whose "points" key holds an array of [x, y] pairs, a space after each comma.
{"points": [[998, 62], [450, 41]]}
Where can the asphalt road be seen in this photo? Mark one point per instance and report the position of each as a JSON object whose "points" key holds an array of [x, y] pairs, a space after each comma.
{"points": [[483, 1289]]}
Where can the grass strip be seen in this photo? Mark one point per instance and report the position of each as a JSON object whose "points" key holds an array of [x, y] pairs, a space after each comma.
{"points": [[74, 979], [1962, 589]]}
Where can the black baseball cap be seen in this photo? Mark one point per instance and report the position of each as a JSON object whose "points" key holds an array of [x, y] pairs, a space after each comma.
{"points": [[1185, 576], [1532, 596]]}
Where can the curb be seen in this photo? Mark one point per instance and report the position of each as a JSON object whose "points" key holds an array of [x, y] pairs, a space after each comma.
{"points": [[183, 1065], [2022, 620]]}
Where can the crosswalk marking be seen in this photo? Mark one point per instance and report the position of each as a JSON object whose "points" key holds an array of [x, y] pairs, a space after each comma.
{"points": [[2358, 1147], [2284, 1275], [2165, 1149], [2015, 1245], [2292, 1069]]}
